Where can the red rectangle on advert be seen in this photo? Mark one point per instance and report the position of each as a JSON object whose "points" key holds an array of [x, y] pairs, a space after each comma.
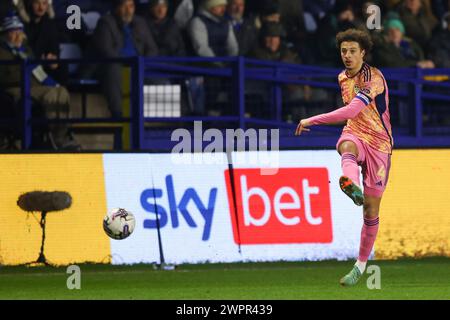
{"points": [[292, 206]]}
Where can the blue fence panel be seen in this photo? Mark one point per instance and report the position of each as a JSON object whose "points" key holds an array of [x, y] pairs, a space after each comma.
{"points": [[411, 85]]}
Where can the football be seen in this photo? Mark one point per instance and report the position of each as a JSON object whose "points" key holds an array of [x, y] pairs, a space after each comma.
{"points": [[119, 223]]}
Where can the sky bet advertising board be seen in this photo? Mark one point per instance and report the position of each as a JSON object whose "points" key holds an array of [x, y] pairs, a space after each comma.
{"points": [[293, 214], [296, 213]]}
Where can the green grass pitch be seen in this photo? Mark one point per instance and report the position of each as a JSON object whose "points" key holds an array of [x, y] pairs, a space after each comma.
{"points": [[402, 279]]}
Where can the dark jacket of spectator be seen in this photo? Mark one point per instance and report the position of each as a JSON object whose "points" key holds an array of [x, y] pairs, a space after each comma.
{"points": [[246, 35], [118, 35], [244, 26], [283, 54], [43, 36], [108, 37], [418, 25], [167, 36], [11, 75], [393, 49], [386, 54], [292, 18], [275, 49], [51, 97], [212, 36], [439, 48]]}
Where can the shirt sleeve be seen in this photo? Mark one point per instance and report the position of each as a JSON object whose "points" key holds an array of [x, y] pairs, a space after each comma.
{"points": [[348, 112], [373, 87]]}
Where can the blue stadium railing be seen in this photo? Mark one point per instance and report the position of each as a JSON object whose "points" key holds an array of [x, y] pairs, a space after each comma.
{"points": [[412, 88]]}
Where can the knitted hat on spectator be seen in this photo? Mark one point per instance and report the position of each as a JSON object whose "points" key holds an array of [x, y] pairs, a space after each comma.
{"points": [[153, 3], [395, 23], [208, 4], [11, 22]]}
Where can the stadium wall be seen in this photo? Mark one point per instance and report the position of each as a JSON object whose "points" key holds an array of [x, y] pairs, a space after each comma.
{"points": [[298, 213]]}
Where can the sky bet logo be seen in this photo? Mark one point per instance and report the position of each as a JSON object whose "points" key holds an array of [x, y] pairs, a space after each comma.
{"points": [[292, 206], [178, 207]]}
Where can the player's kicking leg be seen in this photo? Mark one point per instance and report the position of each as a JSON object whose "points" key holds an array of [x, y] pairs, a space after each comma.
{"points": [[350, 181], [368, 235]]}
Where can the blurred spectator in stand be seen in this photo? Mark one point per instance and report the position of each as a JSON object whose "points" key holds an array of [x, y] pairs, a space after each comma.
{"points": [[165, 31], [271, 45], [210, 33], [341, 18], [264, 11], [437, 112], [287, 12], [23, 8], [269, 12], [183, 10], [396, 50], [53, 98], [418, 21], [439, 48], [42, 36], [318, 8], [272, 48], [120, 34], [292, 18], [243, 27], [439, 8]]}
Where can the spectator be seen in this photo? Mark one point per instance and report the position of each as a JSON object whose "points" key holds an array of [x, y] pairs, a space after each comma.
{"points": [[42, 36], [269, 12], [243, 27], [22, 7], [53, 98], [271, 47], [439, 48], [165, 31], [292, 18], [182, 11], [120, 34], [439, 8], [318, 8], [341, 18], [395, 50], [418, 21], [210, 33]]}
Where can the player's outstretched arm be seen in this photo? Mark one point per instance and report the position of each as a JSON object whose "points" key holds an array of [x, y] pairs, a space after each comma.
{"points": [[348, 112]]}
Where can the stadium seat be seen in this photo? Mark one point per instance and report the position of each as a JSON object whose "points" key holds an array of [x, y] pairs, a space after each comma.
{"points": [[70, 51]]}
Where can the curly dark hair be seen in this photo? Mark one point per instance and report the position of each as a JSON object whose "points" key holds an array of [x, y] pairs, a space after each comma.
{"points": [[363, 38]]}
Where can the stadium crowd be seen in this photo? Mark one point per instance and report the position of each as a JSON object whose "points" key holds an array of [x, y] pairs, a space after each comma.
{"points": [[412, 33]]}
